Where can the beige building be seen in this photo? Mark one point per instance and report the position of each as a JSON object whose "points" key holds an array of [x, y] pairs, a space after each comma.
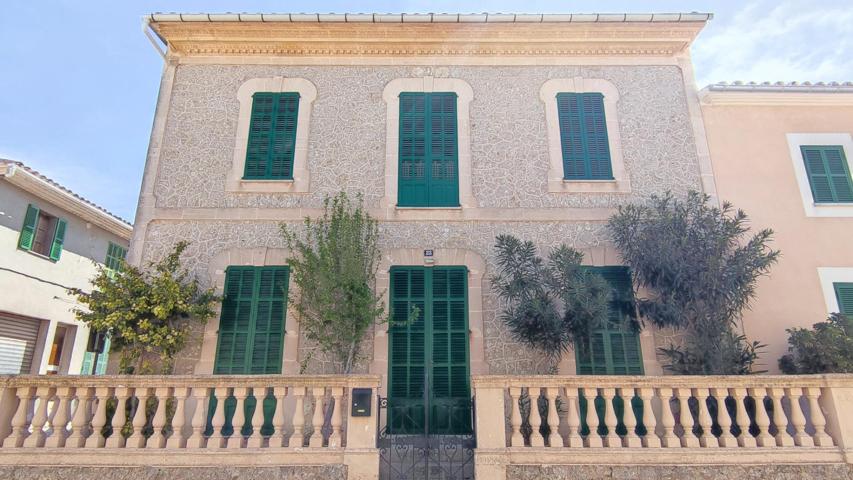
{"points": [[783, 153], [49, 238]]}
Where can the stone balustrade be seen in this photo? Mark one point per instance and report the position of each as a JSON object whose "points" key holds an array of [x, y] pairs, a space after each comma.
{"points": [[551, 420], [180, 412]]}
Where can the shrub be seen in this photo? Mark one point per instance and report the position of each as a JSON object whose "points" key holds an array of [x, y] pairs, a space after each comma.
{"points": [[826, 348]]}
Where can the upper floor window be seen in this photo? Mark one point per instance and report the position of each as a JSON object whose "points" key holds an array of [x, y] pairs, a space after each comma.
{"points": [[42, 233], [828, 173], [272, 136], [428, 150], [583, 136], [844, 295], [116, 255]]}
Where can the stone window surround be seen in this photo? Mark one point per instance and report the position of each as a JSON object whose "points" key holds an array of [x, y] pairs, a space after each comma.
{"points": [[301, 178], [391, 96], [257, 257], [829, 276], [476, 265], [812, 209], [556, 181]]}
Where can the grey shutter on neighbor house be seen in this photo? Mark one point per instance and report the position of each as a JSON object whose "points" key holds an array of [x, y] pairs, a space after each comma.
{"points": [[18, 337]]}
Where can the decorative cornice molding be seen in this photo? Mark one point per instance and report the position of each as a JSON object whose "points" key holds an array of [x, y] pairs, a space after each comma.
{"points": [[427, 39], [776, 98]]}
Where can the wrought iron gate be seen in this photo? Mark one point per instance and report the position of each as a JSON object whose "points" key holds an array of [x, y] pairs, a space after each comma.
{"points": [[405, 455]]}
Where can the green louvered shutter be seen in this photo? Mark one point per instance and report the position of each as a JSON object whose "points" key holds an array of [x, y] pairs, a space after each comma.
{"points": [[583, 136], [428, 174], [844, 295], [828, 172], [407, 349], [115, 256], [28, 230], [251, 325], [450, 390], [272, 136], [58, 240], [88, 358], [614, 349], [103, 357]]}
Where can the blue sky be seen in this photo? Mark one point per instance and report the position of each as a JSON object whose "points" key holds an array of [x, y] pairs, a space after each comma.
{"points": [[79, 80]]}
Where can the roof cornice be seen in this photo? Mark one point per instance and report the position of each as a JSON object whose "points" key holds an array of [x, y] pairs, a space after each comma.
{"points": [[41, 187], [427, 34], [777, 97]]}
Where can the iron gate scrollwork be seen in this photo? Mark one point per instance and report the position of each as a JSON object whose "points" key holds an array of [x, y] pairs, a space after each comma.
{"points": [[407, 453]]}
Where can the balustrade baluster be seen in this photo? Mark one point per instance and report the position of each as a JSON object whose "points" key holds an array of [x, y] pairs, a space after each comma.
{"points": [[745, 439], [239, 418], [279, 438], [798, 420], [554, 439], [667, 421], [685, 419], [763, 439], [724, 420], [139, 419], [316, 439], [116, 439], [99, 419], [216, 438], [593, 440], [628, 418], [650, 440], [821, 439], [535, 419], [298, 438], [783, 438], [706, 438], [37, 436], [516, 439], [255, 439], [19, 420], [80, 420], [175, 439], [336, 421], [573, 421], [201, 396], [158, 438], [59, 422], [612, 439]]}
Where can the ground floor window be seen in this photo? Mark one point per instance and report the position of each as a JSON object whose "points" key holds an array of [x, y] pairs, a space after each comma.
{"points": [[429, 371], [96, 354]]}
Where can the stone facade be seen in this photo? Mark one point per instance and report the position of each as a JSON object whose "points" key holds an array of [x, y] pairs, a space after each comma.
{"points": [[346, 151], [678, 472], [320, 472]]}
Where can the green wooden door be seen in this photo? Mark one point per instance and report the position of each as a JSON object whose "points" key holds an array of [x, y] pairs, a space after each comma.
{"points": [[428, 170], [429, 372]]}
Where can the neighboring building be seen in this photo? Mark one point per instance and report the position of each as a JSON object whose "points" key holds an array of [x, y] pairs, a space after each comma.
{"points": [[783, 153], [454, 128], [49, 239]]}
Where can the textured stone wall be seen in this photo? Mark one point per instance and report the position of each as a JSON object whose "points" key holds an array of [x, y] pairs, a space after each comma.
{"points": [[679, 472], [346, 151], [62, 472]]}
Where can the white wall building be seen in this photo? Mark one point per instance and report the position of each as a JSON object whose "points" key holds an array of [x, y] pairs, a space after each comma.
{"points": [[49, 239]]}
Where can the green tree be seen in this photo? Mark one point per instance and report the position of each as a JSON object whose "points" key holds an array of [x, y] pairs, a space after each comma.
{"points": [[825, 348], [335, 260], [148, 311], [700, 265], [548, 305]]}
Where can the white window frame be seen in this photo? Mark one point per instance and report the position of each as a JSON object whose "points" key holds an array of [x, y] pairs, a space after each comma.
{"points": [[795, 141], [235, 183], [557, 183], [829, 276], [464, 95]]}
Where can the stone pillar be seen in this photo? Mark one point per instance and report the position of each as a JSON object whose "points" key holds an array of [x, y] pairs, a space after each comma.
{"points": [[490, 423]]}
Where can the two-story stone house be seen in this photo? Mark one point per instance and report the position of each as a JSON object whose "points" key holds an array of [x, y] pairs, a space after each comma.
{"points": [[454, 128]]}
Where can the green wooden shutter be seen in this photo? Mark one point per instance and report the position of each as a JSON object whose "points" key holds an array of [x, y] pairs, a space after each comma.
{"points": [[407, 349], [103, 357], [844, 295], [28, 230], [828, 173], [614, 348], [428, 174], [58, 240], [450, 390], [583, 136], [251, 325], [272, 136], [88, 358], [115, 256]]}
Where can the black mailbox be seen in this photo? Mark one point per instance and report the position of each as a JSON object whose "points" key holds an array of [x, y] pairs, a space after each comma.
{"points": [[362, 398]]}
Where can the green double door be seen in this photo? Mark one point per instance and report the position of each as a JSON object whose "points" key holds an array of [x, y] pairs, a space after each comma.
{"points": [[428, 375]]}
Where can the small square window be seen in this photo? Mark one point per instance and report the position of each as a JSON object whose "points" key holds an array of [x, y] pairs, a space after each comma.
{"points": [[43, 239]]}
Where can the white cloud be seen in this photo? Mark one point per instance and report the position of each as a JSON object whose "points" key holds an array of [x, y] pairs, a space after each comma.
{"points": [[792, 40]]}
